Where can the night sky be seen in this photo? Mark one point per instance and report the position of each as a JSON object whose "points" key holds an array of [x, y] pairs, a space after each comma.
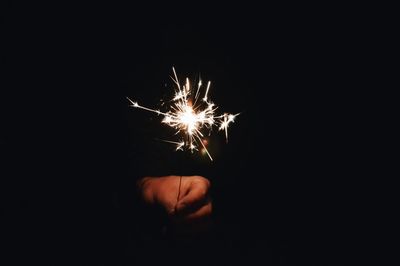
{"points": [[72, 147]]}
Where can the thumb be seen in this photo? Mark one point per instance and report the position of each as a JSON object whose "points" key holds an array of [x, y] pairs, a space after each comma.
{"points": [[196, 194]]}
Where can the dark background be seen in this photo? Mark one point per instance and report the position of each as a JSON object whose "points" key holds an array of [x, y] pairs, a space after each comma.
{"points": [[71, 147]]}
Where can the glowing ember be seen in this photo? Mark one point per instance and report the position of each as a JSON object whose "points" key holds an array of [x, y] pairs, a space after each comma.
{"points": [[192, 117]]}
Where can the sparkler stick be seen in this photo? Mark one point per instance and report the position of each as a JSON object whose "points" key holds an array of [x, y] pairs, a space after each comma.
{"points": [[191, 116], [179, 193]]}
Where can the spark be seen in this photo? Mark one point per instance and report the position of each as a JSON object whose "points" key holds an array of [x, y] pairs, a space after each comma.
{"points": [[190, 116]]}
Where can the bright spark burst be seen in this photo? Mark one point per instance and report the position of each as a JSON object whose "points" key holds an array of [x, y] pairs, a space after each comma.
{"points": [[191, 116]]}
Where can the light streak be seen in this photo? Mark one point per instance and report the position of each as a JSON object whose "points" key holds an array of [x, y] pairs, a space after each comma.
{"points": [[190, 116]]}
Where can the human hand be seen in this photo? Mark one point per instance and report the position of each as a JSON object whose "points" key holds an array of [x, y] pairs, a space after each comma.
{"points": [[186, 201]]}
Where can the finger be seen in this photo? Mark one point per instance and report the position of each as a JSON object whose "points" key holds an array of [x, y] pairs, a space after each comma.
{"points": [[197, 192], [202, 212]]}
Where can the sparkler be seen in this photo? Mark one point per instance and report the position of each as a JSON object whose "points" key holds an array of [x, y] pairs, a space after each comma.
{"points": [[192, 116]]}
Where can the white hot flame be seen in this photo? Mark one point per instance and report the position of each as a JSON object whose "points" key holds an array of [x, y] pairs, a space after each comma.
{"points": [[191, 119]]}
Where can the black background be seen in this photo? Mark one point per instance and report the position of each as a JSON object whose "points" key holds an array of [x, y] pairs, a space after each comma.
{"points": [[70, 144]]}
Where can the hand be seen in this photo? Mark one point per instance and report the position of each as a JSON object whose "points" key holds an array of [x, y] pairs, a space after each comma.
{"points": [[193, 205]]}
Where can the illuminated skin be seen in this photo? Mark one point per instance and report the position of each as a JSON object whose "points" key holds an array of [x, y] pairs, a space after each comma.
{"points": [[189, 205], [192, 117]]}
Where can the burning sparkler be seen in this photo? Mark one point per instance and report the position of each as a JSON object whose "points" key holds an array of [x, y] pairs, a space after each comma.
{"points": [[191, 115]]}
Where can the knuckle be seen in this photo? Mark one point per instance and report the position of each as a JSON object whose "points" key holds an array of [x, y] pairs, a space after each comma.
{"points": [[208, 183], [203, 181], [203, 192]]}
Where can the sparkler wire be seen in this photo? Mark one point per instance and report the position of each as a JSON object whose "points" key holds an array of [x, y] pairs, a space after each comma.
{"points": [[179, 193]]}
